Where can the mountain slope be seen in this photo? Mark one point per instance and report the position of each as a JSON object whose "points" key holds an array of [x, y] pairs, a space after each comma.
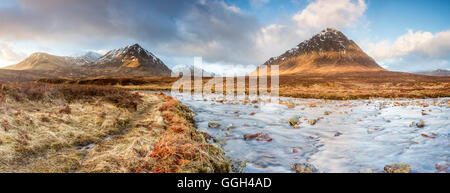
{"points": [[330, 51], [131, 60]]}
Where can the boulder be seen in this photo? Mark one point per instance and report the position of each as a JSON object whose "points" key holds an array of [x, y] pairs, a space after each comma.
{"points": [[304, 168], [293, 121], [213, 125], [397, 168], [238, 165]]}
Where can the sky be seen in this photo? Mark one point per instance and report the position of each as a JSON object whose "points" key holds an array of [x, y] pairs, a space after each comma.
{"points": [[232, 36]]}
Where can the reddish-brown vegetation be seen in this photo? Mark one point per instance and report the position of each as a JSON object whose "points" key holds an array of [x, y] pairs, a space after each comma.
{"points": [[42, 91], [172, 153], [181, 146]]}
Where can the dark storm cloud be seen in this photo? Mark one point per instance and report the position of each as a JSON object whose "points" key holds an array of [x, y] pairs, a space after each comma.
{"points": [[86, 18], [188, 27], [218, 32]]}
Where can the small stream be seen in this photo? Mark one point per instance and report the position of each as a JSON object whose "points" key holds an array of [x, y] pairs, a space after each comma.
{"points": [[352, 135]]}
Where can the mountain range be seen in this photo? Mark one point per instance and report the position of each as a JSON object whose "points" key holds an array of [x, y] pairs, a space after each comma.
{"points": [[328, 52], [132, 60]]}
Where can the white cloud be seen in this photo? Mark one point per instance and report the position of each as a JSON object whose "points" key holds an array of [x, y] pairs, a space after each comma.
{"points": [[419, 42], [330, 13], [274, 39], [8, 55], [438, 46], [231, 8]]}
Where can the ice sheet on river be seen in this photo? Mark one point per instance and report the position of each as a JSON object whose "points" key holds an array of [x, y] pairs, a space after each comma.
{"points": [[356, 135]]}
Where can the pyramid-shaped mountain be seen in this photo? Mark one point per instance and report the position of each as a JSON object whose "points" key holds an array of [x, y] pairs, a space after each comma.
{"points": [[329, 51], [130, 60]]}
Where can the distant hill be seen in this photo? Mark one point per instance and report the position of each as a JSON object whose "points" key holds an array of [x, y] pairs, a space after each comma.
{"points": [[179, 69], [329, 51], [42, 61], [438, 72], [84, 59]]}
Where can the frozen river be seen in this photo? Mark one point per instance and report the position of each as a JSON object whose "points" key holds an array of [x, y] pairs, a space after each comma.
{"points": [[348, 136]]}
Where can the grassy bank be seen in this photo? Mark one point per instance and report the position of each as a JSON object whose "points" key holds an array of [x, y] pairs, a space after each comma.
{"points": [[84, 128]]}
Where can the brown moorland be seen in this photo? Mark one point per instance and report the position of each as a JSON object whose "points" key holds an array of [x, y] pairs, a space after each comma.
{"points": [[85, 128], [385, 84]]}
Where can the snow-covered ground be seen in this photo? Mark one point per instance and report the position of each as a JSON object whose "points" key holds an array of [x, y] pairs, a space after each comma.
{"points": [[356, 135]]}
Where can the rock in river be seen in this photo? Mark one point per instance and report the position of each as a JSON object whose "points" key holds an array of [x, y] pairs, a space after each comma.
{"points": [[259, 136], [397, 168], [420, 124], [293, 121], [304, 168], [238, 165], [213, 125], [313, 121]]}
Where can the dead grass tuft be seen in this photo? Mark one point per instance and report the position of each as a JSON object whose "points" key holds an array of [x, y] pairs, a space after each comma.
{"points": [[69, 93], [66, 110], [182, 148], [170, 151]]}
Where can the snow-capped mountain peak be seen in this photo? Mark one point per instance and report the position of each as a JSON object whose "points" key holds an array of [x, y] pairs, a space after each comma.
{"points": [[328, 40], [131, 59], [131, 52], [329, 51]]}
